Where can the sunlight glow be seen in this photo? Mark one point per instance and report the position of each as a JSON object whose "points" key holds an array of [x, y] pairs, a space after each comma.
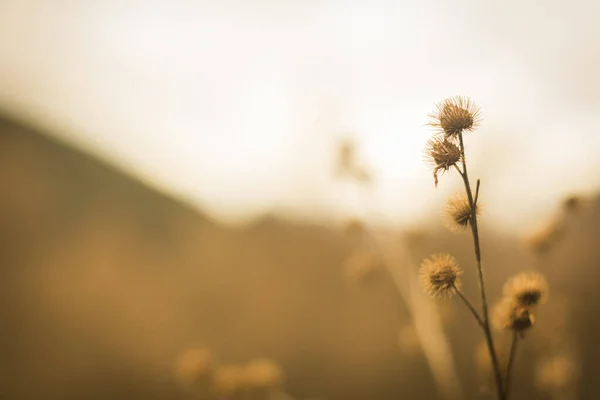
{"points": [[239, 108]]}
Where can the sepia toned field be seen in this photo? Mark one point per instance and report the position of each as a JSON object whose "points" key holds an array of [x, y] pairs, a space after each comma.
{"points": [[112, 290]]}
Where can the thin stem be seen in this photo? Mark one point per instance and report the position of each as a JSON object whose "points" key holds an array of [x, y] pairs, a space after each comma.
{"points": [[470, 307], [458, 169], [486, 324], [477, 191], [513, 350]]}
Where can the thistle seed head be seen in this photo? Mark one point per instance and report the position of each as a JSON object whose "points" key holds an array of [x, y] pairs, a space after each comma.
{"points": [[510, 315], [440, 275], [527, 289], [443, 154], [455, 115], [522, 319], [458, 213]]}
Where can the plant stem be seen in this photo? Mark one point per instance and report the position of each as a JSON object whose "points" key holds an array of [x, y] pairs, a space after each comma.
{"points": [[486, 323], [470, 307], [513, 350]]}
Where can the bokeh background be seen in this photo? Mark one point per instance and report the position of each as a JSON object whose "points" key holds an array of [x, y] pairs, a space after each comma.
{"points": [[180, 175]]}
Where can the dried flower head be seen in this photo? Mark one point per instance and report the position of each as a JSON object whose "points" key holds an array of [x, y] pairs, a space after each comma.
{"points": [[510, 315], [362, 265], [194, 366], [458, 213], [522, 319], [455, 115], [440, 274], [527, 289], [443, 154]]}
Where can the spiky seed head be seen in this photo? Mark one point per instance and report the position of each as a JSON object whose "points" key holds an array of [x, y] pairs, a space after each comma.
{"points": [[443, 154], [522, 319], [440, 275], [455, 115], [457, 214], [509, 315], [527, 289]]}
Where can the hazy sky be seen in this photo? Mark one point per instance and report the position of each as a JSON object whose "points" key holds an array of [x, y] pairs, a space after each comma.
{"points": [[237, 105]]}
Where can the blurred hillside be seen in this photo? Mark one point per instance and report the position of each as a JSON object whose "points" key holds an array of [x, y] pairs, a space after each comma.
{"points": [[105, 282]]}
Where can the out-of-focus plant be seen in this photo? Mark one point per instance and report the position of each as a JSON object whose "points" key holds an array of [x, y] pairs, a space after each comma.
{"points": [[556, 371]]}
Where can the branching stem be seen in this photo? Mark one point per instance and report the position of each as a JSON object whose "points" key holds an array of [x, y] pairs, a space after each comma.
{"points": [[458, 169], [470, 307]]}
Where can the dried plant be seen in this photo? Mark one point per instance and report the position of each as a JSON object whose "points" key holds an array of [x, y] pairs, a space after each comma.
{"points": [[527, 289], [440, 273], [458, 213]]}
